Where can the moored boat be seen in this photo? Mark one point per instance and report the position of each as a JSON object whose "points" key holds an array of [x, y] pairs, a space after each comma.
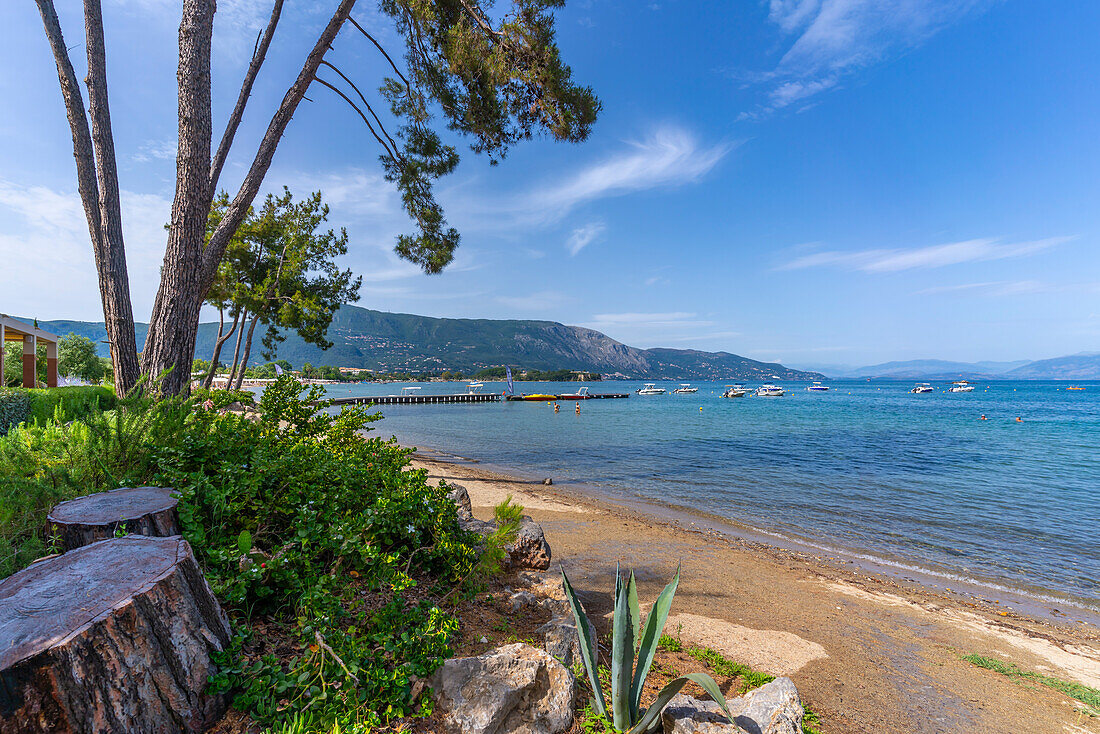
{"points": [[817, 387], [961, 386], [735, 391], [921, 387], [770, 391], [581, 394], [650, 389], [685, 387]]}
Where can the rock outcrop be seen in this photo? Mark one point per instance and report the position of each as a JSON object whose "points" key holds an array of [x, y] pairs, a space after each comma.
{"points": [[115, 636], [530, 550], [773, 708], [94, 517], [514, 689]]}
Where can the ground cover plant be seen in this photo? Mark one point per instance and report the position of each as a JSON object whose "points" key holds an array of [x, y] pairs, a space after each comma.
{"points": [[56, 403], [1085, 694], [334, 562]]}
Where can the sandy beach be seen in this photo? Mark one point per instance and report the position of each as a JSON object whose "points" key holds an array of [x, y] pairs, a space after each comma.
{"points": [[869, 653]]}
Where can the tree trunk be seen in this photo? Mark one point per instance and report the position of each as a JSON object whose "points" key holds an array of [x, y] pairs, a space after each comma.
{"points": [[133, 510], [170, 344], [236, 353], [99, 197], [116, 636], [189, 269], [247, 351], [209, 379]]}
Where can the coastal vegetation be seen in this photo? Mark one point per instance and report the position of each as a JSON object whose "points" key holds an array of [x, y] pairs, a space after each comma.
{"points": [[629, 638], [334, 562], [38, 405], [278, 271], [1087, 695]]}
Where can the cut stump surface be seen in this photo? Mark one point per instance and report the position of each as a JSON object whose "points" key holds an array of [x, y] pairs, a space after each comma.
{"points": [[135, 510], [115, 636]]}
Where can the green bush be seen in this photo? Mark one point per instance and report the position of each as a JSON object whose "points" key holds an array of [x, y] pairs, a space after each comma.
{"points": [[69, 403], [332, 559], [15, 407], [222, 398]]}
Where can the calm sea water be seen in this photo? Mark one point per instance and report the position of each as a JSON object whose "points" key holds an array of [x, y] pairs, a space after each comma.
{"points": [[918, 481]]}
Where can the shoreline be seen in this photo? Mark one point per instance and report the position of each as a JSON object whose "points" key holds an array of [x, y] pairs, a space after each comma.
{"points": [[842, 630], [995, 594]]}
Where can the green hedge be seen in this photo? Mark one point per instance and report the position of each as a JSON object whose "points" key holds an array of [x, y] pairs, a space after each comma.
{"points": [[18, 405]]}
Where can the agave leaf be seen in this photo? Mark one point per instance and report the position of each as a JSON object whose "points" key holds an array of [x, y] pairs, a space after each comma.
{"points": [[635, 610], [650, 719], [636, 622], [588, 648], [622, 657], [651, 635]]}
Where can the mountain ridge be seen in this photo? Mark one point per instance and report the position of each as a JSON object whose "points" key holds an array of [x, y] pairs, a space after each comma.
{"points": [[395, 342]]}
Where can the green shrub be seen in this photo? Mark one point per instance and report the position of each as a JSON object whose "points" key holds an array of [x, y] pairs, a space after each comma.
{"points": [[222, 398], [15, 407], [69, 403], [314, 535]]}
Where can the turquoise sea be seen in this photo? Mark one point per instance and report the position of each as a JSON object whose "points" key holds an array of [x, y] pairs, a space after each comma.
{"points": [[916, 482]]}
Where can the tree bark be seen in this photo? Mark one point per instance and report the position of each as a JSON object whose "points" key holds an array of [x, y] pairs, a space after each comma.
{"points": [[247, 351], [209, 379], [133, 510], [170, 344], [116, 636], [99, 197], [184, 284]]}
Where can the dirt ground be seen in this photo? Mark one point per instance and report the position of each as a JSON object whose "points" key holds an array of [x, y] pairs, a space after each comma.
{"points": [[867, 653]]}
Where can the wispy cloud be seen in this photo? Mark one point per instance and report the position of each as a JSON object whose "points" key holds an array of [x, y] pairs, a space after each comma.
{"points": [[541, 301], [581, 237], [998, 288], [164, 150], [669, 156], [650, 319], [45, 235], [829, 39], [934, 256]]}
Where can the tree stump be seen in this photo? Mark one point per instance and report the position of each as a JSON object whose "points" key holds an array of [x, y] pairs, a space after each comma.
{"points": [[115, 636], [134, 510]]}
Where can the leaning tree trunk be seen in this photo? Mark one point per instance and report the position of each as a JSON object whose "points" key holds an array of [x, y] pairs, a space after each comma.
{"points": [[175, 321], [221, 340], [247, 352], [116, 636], [236, 354]]}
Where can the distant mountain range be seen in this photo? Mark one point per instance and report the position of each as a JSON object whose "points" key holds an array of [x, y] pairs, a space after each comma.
{"points": [[392, 342], [1083, 366]]}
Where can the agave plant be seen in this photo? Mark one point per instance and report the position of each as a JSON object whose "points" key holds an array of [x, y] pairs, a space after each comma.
{"points": [[629, 642]]}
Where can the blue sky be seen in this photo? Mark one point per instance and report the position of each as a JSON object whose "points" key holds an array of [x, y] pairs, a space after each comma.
{"points": [[811, 181]]}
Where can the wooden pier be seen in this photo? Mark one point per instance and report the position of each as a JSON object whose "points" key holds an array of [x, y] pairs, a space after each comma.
{"points": [[418, 399]]}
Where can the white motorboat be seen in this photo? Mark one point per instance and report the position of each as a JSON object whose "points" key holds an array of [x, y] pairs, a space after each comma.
{"points": [[650, 389], [817, 387], [474, 388], [922, 387], [769, 391], [685, 387], [735, 391], [961, 386]]}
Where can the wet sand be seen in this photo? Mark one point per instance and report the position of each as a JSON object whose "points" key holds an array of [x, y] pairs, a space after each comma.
{"points": [[868, 652]]}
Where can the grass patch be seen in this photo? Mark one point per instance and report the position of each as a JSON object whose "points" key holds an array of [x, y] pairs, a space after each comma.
{"points": [[750, 679], [1078, 691]]}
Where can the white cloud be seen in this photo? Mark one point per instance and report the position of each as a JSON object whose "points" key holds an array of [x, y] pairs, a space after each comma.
{"points": [[832, 38], [581, 237], [670, 156], [934, 256], [666, 317], [49, 266], [164, 150]]}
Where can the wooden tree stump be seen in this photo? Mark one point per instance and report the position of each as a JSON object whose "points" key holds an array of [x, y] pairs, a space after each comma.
{"points": [[135, 510], [112, 637]]}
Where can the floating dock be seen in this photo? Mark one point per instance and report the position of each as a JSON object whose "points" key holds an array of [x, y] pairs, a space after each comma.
{"points": [[417, 399], [566, 398]]}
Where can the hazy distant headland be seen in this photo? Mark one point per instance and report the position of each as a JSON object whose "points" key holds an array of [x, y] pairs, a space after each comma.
{"points": [[393, 342], [1082, 366]]}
